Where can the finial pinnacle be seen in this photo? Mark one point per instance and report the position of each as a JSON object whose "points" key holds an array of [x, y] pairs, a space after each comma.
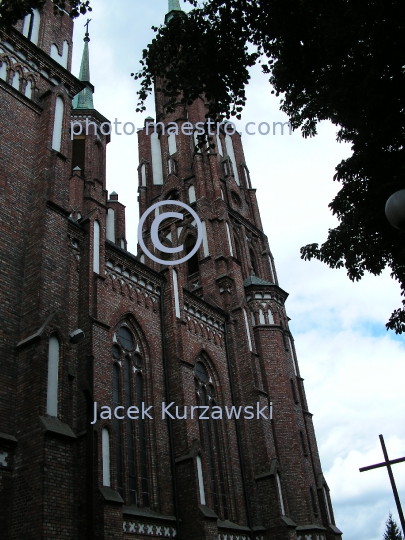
{"points": [[86, 37]]}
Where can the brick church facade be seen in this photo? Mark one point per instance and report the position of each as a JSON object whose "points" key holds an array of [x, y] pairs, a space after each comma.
{"points": [[84, 321]]}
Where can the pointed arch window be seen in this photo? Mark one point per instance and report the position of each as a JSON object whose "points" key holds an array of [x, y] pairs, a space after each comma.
{"points": [[53, 376], [200, 480], [206, 250], [270, 316], [191, 194], [228, 235], [105, 448], [261, 317], [247, 329], [110, 225], [16, 80], [117, 429], [96, 247], [253, 262], [156, 152], [58, 125], [3, 70], [176, 293], [219, 146], [280, 494], [130, 442], [143, 174], [131, 438], [237, 248], [31, 26], [211, 442], [172, 143]]}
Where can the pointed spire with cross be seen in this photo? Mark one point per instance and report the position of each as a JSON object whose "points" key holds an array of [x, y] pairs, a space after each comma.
{"points": [[84, 100]]}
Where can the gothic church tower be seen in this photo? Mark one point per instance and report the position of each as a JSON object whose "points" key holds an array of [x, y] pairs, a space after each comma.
{"points": [[90, 331]]}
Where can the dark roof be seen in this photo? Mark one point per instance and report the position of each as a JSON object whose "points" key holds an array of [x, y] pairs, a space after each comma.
{"points": [[254, 280]]}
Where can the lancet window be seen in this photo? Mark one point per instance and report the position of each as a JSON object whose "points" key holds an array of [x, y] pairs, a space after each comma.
{"points": [[131, 452], [210, 437]]}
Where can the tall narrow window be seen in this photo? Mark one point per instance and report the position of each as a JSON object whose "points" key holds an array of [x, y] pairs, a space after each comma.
{"points": [[143, 174], [176, 293], [247, 329], [247, 179], [211, 442], [3, 71], [28, 89], [222, 194], [79, 153], [53, 375], [219, 146], [193, 264], [117, 429], [200, 480], [57, 125], [16, 80], [253, 262], [157, 167], [191, 194], [270, 316], [62, 59], [280, 494], [228, 234], [210, 454], [96, 247], [261, 317], [231, 154], [172, 144], [130, 433], [220, 468], [142, 442], [271, 270], [205, 240], [31, 26], [110, 229], [105, 447]]}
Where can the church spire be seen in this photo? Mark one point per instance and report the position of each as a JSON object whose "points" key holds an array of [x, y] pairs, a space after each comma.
{"points": [[84, 100], [174, 9]]}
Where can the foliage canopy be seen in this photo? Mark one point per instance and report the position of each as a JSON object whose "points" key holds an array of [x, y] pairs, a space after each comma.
{"points": [[342, 61], [12, 11]]}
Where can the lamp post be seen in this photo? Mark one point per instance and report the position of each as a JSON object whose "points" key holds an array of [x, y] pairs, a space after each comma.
{"points": [[395, 209]]}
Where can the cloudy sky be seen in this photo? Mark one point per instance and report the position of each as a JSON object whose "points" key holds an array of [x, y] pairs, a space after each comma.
{"points": [[353, 368]]}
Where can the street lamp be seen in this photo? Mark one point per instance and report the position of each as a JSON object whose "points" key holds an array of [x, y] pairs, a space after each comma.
{"points": [[395, 209]]}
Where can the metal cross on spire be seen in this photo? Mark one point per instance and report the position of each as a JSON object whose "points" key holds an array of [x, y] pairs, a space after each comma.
{"points": [[87, 25], [387, 463]]}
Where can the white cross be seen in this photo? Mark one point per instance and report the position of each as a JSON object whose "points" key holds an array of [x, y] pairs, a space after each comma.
{"points": [[167, 531], [159, 530], [132, 527], [150, 529], [141, 528], [124, 526]]}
